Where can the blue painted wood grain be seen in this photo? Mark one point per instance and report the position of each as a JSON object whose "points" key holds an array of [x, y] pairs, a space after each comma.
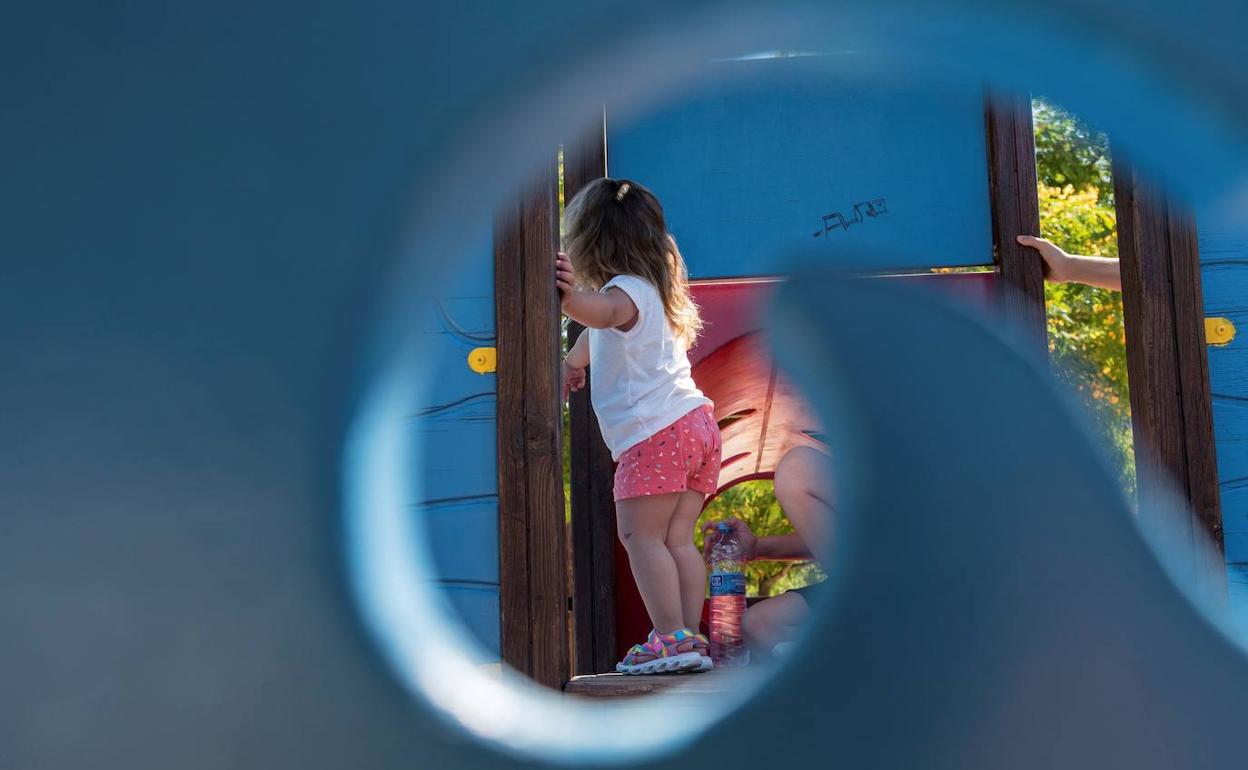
{"points": [[461, 455], [459, 530], [776, 157], [477, 606], [457, 425], [1234, 505], [1223, 246], [1236, 548], [1237, 590]]}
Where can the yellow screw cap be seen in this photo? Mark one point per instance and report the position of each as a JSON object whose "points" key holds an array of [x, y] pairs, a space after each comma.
{"points": [[1219, 331], [483, 360]]}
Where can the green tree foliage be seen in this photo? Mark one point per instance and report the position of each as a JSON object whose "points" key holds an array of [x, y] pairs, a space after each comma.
{"points": [[1068, 153], [1086, 338]]}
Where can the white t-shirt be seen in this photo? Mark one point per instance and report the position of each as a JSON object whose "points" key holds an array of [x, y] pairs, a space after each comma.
{"points": [[640, 379]]}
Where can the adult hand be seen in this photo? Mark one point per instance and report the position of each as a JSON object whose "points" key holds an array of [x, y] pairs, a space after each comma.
{"points": [[1056, 261], [1061, 267], [745, 537]]}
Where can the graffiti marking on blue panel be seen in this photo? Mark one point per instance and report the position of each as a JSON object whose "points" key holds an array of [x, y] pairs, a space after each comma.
{"points": [[872, 209]]}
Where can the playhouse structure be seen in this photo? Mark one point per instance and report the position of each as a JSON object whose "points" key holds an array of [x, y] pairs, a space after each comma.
{"points": [[774, 163]]}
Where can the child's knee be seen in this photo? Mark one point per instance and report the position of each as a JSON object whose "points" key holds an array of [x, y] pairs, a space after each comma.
{"points": [[631, 538], [679, 541]]}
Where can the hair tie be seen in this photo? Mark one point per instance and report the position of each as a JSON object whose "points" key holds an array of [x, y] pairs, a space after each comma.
{"points": [[620, 193]]}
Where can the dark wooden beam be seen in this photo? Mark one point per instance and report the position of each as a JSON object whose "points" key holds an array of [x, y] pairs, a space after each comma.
{"points": [[513, 524], [1167, 366], [543, 435], [592, 470], [533, 589], [1016, 211]]}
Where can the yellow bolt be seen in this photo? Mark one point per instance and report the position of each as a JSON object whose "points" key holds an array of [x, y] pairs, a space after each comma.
{"points": [[483, 360], [1219, 331]]}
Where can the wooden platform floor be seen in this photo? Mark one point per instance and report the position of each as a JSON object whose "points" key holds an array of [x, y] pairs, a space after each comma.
{"points": [[622, 686]]}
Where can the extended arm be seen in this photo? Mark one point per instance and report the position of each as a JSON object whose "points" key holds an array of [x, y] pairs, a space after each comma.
{"points": [[1061, 267], [788, 547]]}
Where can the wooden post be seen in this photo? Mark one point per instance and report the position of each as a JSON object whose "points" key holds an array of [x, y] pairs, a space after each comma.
{"points": [[1171, 407], [593, 507], [1016, 211], [533, 591]]}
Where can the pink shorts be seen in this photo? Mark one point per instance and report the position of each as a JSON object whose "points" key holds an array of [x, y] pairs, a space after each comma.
{"points": [[683, 456]]}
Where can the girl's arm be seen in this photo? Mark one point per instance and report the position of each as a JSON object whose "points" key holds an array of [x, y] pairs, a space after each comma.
{"points": [[573, 369], [1061, 267], [578, 355], [599, 310]]}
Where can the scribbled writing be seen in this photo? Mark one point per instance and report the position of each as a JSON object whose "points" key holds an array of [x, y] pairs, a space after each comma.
{"points": [[872, 208]]}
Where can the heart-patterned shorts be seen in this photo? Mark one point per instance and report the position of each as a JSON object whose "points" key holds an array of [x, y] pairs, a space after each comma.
{"points": [[683, 456]]}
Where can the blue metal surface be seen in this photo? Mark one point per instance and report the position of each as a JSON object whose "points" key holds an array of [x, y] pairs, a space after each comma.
{"points": [[771, 157]]}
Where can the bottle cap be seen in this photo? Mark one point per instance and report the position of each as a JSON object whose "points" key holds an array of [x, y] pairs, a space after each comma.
{"points": [[723, 527]]}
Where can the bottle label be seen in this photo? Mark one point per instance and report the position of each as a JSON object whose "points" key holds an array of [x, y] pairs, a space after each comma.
{"points": [[727, 584]]}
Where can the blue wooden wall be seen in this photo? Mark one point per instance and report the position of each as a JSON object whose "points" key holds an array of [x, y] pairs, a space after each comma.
{"points": [[777, 156], [457, 427], [1224, 279]]}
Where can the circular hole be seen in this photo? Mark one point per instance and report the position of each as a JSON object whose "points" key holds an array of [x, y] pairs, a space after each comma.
{"points": [[395, 559]]}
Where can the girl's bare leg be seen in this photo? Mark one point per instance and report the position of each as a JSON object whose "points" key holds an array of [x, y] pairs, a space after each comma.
{"points": [[689, 564], [642, 523]]}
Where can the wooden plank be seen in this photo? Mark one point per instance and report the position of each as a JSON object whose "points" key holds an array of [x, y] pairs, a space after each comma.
{"points": [[716, 682], [1152, 356], [1171, 406], [593, 507], [543, 423], [463, 536], [477, 608], [513, 553], [593, 533], [1197, 399], [1224, 278], [603, 527], [1016, 211], [582, 516]]}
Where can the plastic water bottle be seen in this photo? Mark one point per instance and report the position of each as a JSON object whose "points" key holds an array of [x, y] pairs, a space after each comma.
{"points": [[727, 600]]}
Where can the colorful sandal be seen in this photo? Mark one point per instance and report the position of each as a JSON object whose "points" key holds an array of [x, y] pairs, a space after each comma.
{"points": [[703, 646], [662, 654]]}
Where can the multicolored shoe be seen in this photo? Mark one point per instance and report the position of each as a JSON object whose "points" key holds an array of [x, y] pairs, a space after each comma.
{"points": [[663, 654]]}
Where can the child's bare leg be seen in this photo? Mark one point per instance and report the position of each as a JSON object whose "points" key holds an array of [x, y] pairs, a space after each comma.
{"points": [[642, 523], [689, 563]]}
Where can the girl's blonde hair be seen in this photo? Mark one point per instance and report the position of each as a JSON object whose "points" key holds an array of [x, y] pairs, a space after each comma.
{"points": [[616, 227]]}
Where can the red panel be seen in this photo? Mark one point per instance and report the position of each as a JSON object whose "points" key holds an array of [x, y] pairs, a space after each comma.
{"points": [[761, 416], [729, 310]]}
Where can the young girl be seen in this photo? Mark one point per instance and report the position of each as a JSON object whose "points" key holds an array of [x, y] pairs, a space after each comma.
{"points": [[624, 279]]}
